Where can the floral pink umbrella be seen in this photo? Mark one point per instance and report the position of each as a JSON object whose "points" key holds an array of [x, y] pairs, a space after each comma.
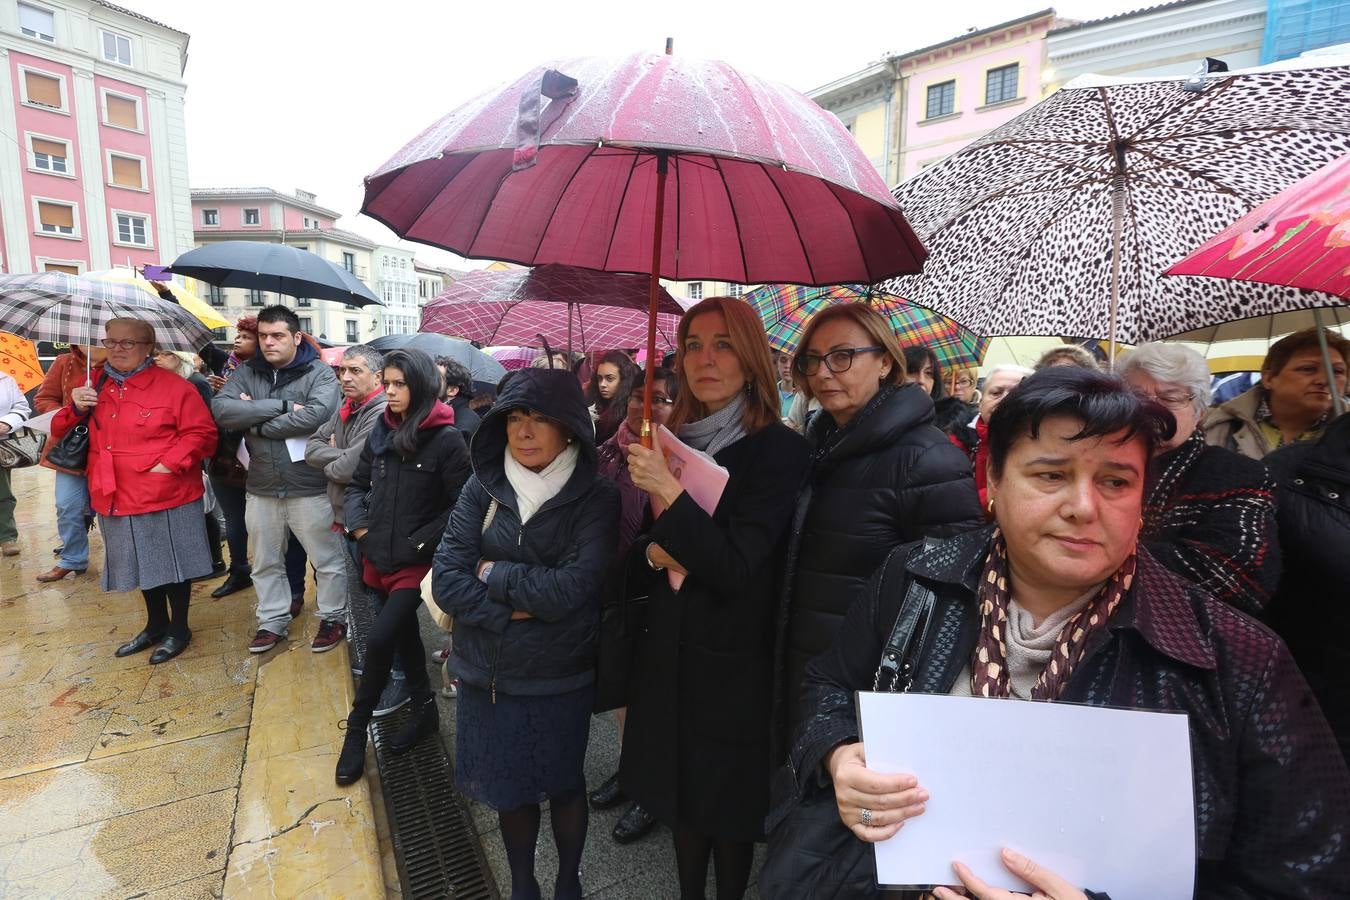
{"points": [[652, 164]]}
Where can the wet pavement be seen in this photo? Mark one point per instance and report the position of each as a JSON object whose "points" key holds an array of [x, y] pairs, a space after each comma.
{"points": [[210, 775]]}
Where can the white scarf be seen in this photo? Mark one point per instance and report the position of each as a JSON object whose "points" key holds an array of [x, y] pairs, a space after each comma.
{"points": [[534, 489]]}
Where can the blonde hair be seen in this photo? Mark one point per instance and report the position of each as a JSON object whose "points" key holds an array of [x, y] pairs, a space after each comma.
{"points": [[558, 361], [866, 318], [751, 346], [147, 331]]}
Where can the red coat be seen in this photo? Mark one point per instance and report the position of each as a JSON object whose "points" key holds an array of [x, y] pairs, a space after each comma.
{"points": [[157, 417]]}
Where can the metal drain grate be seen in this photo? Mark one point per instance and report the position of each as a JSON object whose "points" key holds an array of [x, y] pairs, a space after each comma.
{"points": [[434, 840], [360, 613]]}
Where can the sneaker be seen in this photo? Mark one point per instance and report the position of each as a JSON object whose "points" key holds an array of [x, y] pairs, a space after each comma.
{"points": [[264, 640], [449, 683], [297, 604], [440, 656], [329, 636], [395, 694]]}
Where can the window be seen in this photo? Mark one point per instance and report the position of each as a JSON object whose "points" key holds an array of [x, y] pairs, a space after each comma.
{"points": [[349, 261], [126, 171], [941, 100], [50, 155], [116, 48], [251, 217], [219, 334], [37, 22], [1000, 84], [132, 229], [735, 290], [121, 111], [695, 290], [47, 91], [352, 335], [215, 295], [306, 324], [256, 297], [70, 268], [303, 301], [210, 217], [56, 218]]}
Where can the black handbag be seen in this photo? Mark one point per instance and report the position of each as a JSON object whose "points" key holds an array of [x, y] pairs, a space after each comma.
{"points": [[72, 451], [623, 621], [811, 854]]}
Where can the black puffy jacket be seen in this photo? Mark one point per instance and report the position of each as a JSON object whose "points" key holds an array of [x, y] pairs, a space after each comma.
{"points": [[405, 503], [552, 567], [1309, 609], [885, 479], [1272, 794]]}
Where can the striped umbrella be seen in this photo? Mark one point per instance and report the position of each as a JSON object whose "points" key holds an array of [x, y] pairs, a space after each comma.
{"points": [[785, 308]]}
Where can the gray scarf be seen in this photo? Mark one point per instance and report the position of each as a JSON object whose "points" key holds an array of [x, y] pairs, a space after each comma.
{"points": [[721, 429]]}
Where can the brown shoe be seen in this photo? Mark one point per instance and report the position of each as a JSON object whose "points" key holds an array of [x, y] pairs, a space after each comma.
{"points": [[10, 548], [57, 573]]}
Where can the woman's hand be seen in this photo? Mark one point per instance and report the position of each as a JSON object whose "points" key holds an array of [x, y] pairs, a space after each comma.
{"points": [[1049, 886], [359, 533], [520, 615], [5, 428], [650, 473], [84, 397], [161, 469], [888, 800], [216, 381], [657, 556]]}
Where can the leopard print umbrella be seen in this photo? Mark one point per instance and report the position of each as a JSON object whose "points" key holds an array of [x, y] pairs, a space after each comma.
{"points": [[1019, 225]]}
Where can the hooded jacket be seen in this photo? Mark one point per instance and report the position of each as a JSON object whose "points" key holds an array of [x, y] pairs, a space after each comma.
{"points": [[272, 416], [552, 567], [404, 502], [338, 460]]}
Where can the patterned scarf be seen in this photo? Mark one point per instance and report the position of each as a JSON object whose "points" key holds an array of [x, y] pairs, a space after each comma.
{"points": [[721, 429], [1158, 500], [989, 667]]}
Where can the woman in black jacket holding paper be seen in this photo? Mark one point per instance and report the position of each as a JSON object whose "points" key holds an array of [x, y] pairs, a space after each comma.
{"points": [[696, 745]]}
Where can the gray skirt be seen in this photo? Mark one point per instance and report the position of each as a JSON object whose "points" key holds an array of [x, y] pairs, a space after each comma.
{"points": [[153, 549]]}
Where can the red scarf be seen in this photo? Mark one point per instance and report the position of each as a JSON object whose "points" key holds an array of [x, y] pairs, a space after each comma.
{"points": [[350, 406]]}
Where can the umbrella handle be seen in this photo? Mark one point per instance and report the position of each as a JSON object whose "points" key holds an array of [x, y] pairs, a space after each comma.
{"points": [[1337, 402], [653, 296]]}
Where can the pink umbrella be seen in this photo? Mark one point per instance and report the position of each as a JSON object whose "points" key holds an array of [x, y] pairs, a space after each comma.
{"points": [[564, 305], [513, 357], [575, 162]]}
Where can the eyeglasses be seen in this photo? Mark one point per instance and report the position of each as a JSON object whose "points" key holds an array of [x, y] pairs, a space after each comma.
{"points": [[121, 345], [635, 398], [1169, 399], [836, 360], [964, 382]]}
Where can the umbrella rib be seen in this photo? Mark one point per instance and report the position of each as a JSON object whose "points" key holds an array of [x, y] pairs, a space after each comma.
{"points": [[1044, 226], [477, 229], [618, 214], [543, 232], [735, 219], [796, 229]]}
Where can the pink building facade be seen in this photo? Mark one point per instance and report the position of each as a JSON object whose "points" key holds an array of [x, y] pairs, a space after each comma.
{"points": [[98, 174]]}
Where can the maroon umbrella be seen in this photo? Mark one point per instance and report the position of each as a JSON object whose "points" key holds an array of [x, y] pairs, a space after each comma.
{"points": [[563, 305], [650, 163]]}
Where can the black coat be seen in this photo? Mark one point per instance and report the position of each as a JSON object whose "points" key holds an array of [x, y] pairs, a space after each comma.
{"points": [[888, 478], [466, 420], [551, 567], [1272, 793], [696, 743], [1310, 609], [405, 502]]}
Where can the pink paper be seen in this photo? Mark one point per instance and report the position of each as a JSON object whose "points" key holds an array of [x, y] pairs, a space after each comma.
{"points": [[697, 472]]}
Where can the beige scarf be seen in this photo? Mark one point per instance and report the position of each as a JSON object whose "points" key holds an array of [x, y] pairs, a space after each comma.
{"points": [[534, 489]]}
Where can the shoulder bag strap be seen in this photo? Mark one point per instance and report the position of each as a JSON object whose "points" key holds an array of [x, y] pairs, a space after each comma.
{"points": [[899, 659]]}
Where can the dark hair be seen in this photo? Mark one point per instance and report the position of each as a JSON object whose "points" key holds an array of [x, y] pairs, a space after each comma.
{"points": [[456, 375], [424, 392], [612, 412], [661, 373], [916, 356], [1101, 402], [1283, 350], [278, 313]]}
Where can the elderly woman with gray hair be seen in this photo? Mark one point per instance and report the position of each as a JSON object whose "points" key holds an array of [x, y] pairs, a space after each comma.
{"points": [[1209, 513]]}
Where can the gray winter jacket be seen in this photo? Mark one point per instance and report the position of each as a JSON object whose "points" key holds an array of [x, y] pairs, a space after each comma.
{"points": [[270, 417], [338, 460]]}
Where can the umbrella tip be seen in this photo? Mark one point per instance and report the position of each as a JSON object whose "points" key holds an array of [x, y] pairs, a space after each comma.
{"points": [[670, 46]]}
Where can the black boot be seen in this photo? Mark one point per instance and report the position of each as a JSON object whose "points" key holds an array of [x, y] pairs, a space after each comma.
{"points": [[608, 794], [351, 764], [633, 824], [424, 719], [239, 580]]}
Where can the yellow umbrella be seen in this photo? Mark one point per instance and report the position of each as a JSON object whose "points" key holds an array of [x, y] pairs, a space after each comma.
{"points": [[186, 298]]}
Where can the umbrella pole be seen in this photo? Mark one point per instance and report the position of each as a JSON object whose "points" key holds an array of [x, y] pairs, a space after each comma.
{"points": [[1117, 225], [653, 295], [1337, 402], [569, 333]]}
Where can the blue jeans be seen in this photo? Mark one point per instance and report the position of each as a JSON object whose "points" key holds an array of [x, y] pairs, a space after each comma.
{"points": [[72, 505], [372, 595]]}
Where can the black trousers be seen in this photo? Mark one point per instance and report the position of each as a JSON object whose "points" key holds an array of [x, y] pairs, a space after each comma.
{"points": [[395, 630]]}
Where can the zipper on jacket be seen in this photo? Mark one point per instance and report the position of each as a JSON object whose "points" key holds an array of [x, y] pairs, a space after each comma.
{"points": [[496, 660]]}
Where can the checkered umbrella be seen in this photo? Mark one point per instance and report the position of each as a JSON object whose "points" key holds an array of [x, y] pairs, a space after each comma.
{"points": [[54, 306], [785, 308]]}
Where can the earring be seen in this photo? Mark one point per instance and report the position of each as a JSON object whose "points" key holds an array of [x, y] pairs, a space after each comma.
{"points": [[749, 388], [991, 506]]}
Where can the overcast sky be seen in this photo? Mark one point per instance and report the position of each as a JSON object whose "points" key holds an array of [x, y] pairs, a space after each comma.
{"points": [[316, 94]]}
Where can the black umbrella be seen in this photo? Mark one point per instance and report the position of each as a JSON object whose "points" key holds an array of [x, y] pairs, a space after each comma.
{"points": [[279, 268], [481, 366]]}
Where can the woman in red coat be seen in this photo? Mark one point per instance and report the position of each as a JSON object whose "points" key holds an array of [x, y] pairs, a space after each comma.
{"points": [[148, 434]]}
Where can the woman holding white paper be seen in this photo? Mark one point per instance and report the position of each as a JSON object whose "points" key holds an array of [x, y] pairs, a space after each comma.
{"points": [[696, 744], [1059, 601]]}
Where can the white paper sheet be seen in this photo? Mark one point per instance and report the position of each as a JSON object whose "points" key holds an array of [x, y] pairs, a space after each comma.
{"points": [[43, 422], [242, 454], [1104, 797], [296, 447]]}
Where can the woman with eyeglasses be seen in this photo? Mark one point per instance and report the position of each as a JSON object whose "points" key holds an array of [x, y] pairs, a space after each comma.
{"points": [[148, 434], [882, 475], [1209, 513]]}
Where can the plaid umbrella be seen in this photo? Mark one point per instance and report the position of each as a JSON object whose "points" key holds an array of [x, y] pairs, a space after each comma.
{"points": [[54, 306], [785, 309], [186, 298]]}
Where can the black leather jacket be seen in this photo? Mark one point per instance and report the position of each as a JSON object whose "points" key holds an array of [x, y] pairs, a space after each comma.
{"points": [[1272, 792]]}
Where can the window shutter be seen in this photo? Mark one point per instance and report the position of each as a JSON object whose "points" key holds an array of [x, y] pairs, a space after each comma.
{"points": [[122, 112], [126, 172], [43, 89], [56, 214], [51, 148], [60, 267]]}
